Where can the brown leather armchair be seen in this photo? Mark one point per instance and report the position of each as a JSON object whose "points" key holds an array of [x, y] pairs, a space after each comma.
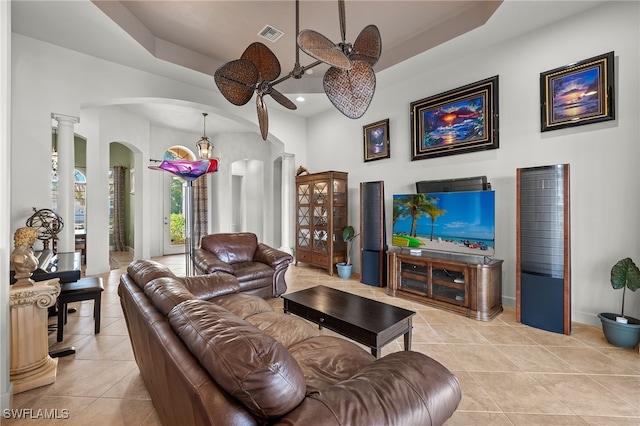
{"points": [[259, 268]]}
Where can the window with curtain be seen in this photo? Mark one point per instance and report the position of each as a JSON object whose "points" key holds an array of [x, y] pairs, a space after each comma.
{"points": [[79, 198]]}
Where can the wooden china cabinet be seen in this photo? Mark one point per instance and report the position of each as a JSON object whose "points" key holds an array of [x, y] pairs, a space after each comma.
{"points": [[321, 216]]}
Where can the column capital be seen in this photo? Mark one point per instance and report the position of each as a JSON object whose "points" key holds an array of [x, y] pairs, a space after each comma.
{"points": [[65, 118], [287, 155], [42, 294]]}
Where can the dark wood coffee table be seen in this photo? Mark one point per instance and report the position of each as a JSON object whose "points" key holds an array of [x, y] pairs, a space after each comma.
{"points": [[367, 321]]}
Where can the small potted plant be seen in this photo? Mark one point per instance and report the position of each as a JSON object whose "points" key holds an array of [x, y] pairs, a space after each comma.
{"points": [[344, 268], [620, 330]]}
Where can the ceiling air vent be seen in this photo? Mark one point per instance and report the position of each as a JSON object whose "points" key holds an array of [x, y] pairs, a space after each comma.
{"points": [[270, 33]]}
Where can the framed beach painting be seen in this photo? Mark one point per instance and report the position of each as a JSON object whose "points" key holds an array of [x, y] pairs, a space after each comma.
{"points": [[455, 122], [577, 94], [376, 140]]}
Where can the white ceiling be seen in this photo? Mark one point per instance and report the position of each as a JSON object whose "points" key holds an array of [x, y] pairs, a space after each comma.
{"points": [[202, 35], [188, 40]]}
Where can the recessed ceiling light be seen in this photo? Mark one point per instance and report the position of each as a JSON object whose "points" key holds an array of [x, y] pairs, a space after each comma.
{"points": [[300, 99]]}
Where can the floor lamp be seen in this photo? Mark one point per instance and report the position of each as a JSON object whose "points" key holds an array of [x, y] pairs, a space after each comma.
{"points": [[189, 171]]}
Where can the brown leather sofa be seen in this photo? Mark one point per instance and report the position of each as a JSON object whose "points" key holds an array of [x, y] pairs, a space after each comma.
{"points": [[210, 355], [259, 268]]}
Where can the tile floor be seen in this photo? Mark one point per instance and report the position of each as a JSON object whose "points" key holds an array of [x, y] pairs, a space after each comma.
{"points": [[510, 374]]}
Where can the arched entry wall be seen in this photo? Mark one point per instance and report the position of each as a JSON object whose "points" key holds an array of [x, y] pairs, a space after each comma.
{"points": [[121, 155], [115, 123], [102, 126], [247, 197], [248, 158]]}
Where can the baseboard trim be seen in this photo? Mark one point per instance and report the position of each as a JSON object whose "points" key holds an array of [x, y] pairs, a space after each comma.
{"points": [[509, 301]]}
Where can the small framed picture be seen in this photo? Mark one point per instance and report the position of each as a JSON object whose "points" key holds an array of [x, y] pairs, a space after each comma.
{"points": [[376, 141], [578, 93]]}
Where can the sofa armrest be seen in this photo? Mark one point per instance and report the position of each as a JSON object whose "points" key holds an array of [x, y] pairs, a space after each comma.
{"points": [[402, 388], [212, 285], [208, 263], [272, 257]]}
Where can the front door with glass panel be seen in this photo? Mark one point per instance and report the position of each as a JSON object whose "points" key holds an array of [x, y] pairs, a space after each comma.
{"points": [[174, 203]]}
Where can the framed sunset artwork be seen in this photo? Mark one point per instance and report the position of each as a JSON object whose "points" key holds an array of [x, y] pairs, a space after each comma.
{"points": [[455, 122], [578, 93]]}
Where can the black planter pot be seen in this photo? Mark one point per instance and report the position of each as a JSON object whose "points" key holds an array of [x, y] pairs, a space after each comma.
{"points": [[619, 334]]}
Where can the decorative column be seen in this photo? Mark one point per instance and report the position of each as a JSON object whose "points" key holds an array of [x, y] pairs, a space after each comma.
{"points": [[66, 178], [288, 176], [31, 365]]}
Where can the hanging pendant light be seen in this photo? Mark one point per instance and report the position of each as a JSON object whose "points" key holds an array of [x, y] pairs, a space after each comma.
{"points": [[204, 144]]}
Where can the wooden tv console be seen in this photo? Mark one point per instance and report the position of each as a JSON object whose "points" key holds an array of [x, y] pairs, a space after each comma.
{"points": [[465, 284]]}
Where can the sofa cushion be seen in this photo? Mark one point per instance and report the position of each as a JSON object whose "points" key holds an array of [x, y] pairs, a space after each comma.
{"points": [[143, 271], [167, 292], [243, 305], [251, 271], [231, 248], [211, 285], [249, 364], [327, 360], [286, 329]]}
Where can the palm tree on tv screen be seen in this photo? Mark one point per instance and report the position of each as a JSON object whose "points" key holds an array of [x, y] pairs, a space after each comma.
{"points": [[419, 205], [399, 210], [433, 212]]}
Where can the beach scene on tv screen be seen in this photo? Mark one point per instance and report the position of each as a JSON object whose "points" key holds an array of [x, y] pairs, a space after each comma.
{"points": [[462, 222]]}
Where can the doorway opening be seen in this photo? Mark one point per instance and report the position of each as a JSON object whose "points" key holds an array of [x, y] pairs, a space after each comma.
{"points": [[174, 203]]}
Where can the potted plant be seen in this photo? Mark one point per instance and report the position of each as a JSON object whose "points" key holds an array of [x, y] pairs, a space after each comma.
{"points": [[620, 330], [344, 268]]}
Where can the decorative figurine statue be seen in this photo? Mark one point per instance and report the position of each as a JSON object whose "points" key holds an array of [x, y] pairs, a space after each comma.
{"points": [[22, 258], [31, 365]]}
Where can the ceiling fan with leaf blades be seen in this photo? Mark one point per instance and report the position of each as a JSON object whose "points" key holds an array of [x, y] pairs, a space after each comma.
{"points": [[255, 71], [349, 83]]}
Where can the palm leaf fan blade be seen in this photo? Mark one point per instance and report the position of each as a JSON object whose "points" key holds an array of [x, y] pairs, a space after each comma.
{"points": [[321, 48], [351, 91], [282, 99], [263, 116], [236, 80], [264, 59], [368, 46]]}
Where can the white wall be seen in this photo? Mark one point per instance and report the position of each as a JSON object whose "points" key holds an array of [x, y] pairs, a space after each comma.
{"points": [[6, 240], [605, 198]]}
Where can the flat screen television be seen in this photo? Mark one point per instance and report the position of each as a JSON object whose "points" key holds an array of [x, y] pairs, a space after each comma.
{"points": [[460, 222]]}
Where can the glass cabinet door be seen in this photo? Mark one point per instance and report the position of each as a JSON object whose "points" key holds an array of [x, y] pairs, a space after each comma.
{"points": [[304, 193], [339, 214], [320, 216], [320, 192], [304, 219]]}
